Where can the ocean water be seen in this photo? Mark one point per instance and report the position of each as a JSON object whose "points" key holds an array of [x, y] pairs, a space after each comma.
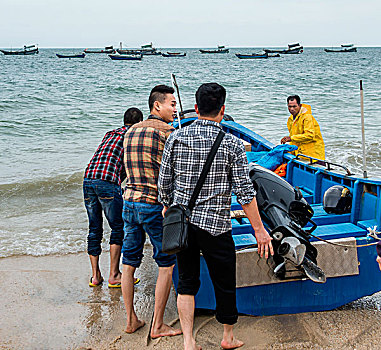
{"points": [[54, 112]]}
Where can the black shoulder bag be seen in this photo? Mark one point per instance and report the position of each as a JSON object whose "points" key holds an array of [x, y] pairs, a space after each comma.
{"points": [[176, 218]]}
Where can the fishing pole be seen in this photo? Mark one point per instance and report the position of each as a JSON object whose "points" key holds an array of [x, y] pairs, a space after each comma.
{"points": [[176, 87], [363, 131]]}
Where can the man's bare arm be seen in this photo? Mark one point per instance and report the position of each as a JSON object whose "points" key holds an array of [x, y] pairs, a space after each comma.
{"points": [[262, 236]]}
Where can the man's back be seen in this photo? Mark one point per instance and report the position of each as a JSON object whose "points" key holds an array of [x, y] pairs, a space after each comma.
{"points": [[183, 159], [107, 161], [144, 143]]}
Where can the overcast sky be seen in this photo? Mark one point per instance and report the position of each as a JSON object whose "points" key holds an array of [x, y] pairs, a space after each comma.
{"points": [[195, 23]]}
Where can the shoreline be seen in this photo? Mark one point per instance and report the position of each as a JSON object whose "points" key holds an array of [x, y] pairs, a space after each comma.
{"points": [[46, 304]]}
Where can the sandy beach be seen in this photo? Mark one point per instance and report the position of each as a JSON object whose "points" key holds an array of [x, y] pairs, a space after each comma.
{"points": [[46, 304]]}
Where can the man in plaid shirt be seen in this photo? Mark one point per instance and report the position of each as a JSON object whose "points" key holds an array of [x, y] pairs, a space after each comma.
{"points": [[210, 227], [101, 188], [143, 149]]}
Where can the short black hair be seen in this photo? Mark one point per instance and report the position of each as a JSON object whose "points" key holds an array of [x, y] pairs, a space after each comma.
{"points": [[133, 115], [210, 97], [294, 97], [158, 94]]}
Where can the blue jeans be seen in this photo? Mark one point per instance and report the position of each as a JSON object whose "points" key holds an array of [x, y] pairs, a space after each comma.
{"points": [[139, 219], [103, 195]]}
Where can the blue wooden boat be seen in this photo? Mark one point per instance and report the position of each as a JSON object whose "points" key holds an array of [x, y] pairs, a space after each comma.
{"points": [[174, 54], [81, 55], [345, 255], [252, 56], [126, 57]]}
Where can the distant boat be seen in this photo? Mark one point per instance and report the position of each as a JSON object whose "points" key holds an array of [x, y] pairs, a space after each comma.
{"points": [[252, 56], [81, 55], [174, 54], [27, 50], [220, 49], [126, 57], [344, 48], [292, 49], [107, 49]]}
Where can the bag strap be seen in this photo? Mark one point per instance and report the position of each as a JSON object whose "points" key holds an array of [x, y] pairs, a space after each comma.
{"points": [[205, 169]]}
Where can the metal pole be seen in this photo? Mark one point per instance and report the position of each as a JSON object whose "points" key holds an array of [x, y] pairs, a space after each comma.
{"points": [[175, 86], [363, 131]]}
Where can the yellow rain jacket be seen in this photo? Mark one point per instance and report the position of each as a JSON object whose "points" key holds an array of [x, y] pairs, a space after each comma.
{"points": [[305, 133]]}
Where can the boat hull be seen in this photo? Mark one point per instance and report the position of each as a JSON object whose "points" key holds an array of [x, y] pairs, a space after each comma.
{"points": [[215, 51], [254, 56], [353, 49], [125, 58], [293, 51], [71, 56], [351, 272], [174, 55], [20, 52]]}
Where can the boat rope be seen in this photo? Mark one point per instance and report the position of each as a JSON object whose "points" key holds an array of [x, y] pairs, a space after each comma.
{"points": [[372, 233]]}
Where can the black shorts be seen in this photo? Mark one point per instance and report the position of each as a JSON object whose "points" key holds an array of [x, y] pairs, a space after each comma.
{"points": [[219, 255]]}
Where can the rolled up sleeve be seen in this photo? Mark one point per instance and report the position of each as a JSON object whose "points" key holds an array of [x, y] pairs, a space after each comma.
{"points": [[165, 181], [241, 185]]}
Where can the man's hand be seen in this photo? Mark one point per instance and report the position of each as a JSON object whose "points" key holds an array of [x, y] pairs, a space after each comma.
{"points": [[285, 139], [264, 242], [379, 261], [164, 210]]}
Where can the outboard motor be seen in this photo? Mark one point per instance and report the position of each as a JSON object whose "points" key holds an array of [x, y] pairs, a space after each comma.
{"points": [[285, 212]]}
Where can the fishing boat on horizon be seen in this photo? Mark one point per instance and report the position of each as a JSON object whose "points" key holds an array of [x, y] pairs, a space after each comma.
{"points": [[324, 222], [27, 50], [344, 48], [119, 57], [292, 49], [256, 56], [80, 55], [220, 49], [107, 50], [174, 54]]}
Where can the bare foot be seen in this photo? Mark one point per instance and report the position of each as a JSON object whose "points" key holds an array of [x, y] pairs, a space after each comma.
{"points": [[134, 326], [234, 344], [163, 331], [192, 347], [113, 280]]}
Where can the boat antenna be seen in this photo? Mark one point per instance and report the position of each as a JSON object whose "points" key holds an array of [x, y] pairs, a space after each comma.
{"points": [[176, 87], [363, 131]]}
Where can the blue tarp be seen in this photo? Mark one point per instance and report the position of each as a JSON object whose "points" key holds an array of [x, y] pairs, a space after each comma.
{"points": [[272, 159]]}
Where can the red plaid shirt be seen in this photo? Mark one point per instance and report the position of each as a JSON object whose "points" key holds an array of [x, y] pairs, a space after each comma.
{"points": [[107, 162], [143, 148]]}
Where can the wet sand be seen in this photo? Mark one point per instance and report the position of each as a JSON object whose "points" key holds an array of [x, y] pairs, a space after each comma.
{"points": [[46, 304]]}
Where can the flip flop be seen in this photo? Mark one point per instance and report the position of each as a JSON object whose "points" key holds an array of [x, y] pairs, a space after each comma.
{"points": [[115, 285], [119, 284], [91, 284]]}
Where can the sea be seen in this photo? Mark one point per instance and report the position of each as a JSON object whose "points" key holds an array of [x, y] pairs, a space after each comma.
{"points": [[54, 113]]}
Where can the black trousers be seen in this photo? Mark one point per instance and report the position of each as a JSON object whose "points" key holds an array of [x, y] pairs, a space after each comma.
{"points": [[219, 254]]}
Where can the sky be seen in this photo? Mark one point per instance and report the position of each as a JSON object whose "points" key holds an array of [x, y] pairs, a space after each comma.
{"points": [[196, 23]]}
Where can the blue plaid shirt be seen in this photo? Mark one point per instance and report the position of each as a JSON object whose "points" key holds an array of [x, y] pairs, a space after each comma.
{"points": [[184, 156]]}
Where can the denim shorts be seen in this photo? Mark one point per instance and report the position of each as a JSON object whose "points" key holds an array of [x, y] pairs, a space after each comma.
{"points": [[100, 195], [139, 219]]}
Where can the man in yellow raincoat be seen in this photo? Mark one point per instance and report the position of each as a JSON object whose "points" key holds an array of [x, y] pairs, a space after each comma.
{"points": [[304, 129]]}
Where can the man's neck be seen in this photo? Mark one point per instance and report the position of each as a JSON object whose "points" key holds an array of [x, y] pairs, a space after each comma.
{"points": [[213, 119]]}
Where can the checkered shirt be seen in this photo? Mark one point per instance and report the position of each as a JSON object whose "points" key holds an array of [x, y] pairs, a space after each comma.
{"points": [[143, 149], [184, 156], [107, 161]]}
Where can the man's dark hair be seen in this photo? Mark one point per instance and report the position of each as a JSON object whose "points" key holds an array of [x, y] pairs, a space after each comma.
{"points": [[158, 94], [210, 97], [133, 115], [294, 97]]}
